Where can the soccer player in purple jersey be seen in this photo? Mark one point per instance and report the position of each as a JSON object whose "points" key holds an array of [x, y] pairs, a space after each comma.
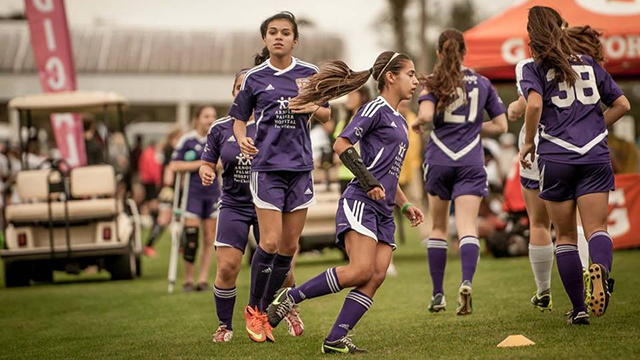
{"points": [[364, 221], [564, 91], [454, 99], [584, 40], [282, 162], [201, 201], [237, 214]]}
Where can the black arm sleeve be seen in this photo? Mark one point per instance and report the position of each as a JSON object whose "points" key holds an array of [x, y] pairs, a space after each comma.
{"points": [[351, 159]]}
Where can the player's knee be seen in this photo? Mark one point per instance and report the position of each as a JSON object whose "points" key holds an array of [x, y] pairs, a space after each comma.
{"points": [[361, 275], [269, 246], [378, 278], [191, 244], [208, 240], [287, 249], [227, 270]]}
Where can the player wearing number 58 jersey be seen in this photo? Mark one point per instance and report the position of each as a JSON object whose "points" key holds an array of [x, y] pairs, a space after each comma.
{"points": [[564, 92], [455, 99]]}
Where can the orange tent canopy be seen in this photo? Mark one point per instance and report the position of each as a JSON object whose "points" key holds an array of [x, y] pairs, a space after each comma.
{"points": [[495, 46]]}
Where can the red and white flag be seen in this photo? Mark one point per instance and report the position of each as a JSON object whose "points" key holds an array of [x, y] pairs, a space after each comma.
{"points": [[54, 60]]}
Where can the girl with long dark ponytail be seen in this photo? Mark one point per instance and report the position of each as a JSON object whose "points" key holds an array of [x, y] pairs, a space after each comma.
{"points": [[454, 99], [364, 221], [282, 162], [564, 92]]}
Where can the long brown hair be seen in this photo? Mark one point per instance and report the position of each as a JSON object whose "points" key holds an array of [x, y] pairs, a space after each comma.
{"points": [[447, 74], [549, 44], [336, 79], [586, 40]]}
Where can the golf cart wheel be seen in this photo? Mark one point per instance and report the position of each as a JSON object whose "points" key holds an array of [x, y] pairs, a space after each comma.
{"points": [[138, 266], [43, 274], [16, 274], [123, 267]]}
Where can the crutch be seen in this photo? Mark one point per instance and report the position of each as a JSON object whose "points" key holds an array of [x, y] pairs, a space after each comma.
{"points": [[177, 220]]}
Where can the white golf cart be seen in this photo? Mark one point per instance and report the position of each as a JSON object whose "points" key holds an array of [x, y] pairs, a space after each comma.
{"points": [[69, 219]]}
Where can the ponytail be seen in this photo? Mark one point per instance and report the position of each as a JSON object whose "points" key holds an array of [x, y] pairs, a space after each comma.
{"points": [[447, 74], [550, 45], [585, 40], [336, 79], [261, 57]]}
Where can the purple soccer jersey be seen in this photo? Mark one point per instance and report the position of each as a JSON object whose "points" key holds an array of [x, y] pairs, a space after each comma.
{"points": [[191, 141], [383, 136], [236, 173], [572, 127], [282, 137], [455, 140]]}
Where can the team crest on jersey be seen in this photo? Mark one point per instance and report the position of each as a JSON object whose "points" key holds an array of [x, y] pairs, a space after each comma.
{"points": [[198, 147], [302, 82]]}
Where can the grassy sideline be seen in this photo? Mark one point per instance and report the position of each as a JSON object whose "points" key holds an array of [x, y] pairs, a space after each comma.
{"points": [[88, 317]]}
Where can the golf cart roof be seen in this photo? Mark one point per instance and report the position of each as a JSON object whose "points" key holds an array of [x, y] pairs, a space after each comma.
{"points": [[68, 101]]}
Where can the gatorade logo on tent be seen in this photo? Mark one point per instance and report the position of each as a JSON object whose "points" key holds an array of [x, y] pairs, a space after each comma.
{"points": [[513, 50]]}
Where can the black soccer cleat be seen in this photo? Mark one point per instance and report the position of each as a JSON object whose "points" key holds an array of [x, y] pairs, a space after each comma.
{"points": [[581, 318], [599, 289], [343, 345], [437, 304], [542, 302], [280, 307]]}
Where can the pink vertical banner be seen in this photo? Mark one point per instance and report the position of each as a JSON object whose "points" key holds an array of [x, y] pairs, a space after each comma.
{"points": [[54, 60]]}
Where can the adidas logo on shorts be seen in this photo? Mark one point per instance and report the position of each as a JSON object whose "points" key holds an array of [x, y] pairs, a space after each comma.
{"points": [[267, 271], [302, 295], [231, 139], [270, 87], [308, 192]]}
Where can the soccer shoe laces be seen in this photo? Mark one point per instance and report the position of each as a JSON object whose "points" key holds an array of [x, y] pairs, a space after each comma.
{"points": [[257, 321], [284, 308], [294, 315], [348, 342]]}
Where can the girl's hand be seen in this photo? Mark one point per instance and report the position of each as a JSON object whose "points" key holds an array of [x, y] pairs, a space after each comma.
{"points": [[248, 148], [414, 215], [527, 149], [377, 193], [513, 113], [417, 127], [207, 175]]}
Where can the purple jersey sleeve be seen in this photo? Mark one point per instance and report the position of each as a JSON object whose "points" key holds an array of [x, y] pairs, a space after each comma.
{"points": [[212, 148], [179, 151], [608, 89], [244, 102], [428, 97], [360, 125], [494, 105], [529, 79]]}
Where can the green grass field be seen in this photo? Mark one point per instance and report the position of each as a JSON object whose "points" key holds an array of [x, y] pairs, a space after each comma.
{"points": [[89, 317]]}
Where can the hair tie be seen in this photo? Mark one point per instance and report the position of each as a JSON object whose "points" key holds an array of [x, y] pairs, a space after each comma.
{"points": [[385, 67], [371, 71]]}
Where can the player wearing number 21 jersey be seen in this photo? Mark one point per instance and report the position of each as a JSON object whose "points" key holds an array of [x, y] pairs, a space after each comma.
{"points": [[454, 159]]}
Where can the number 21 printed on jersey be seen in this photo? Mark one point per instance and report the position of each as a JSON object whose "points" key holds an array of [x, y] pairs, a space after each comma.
{"points": [[472, 100]]}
